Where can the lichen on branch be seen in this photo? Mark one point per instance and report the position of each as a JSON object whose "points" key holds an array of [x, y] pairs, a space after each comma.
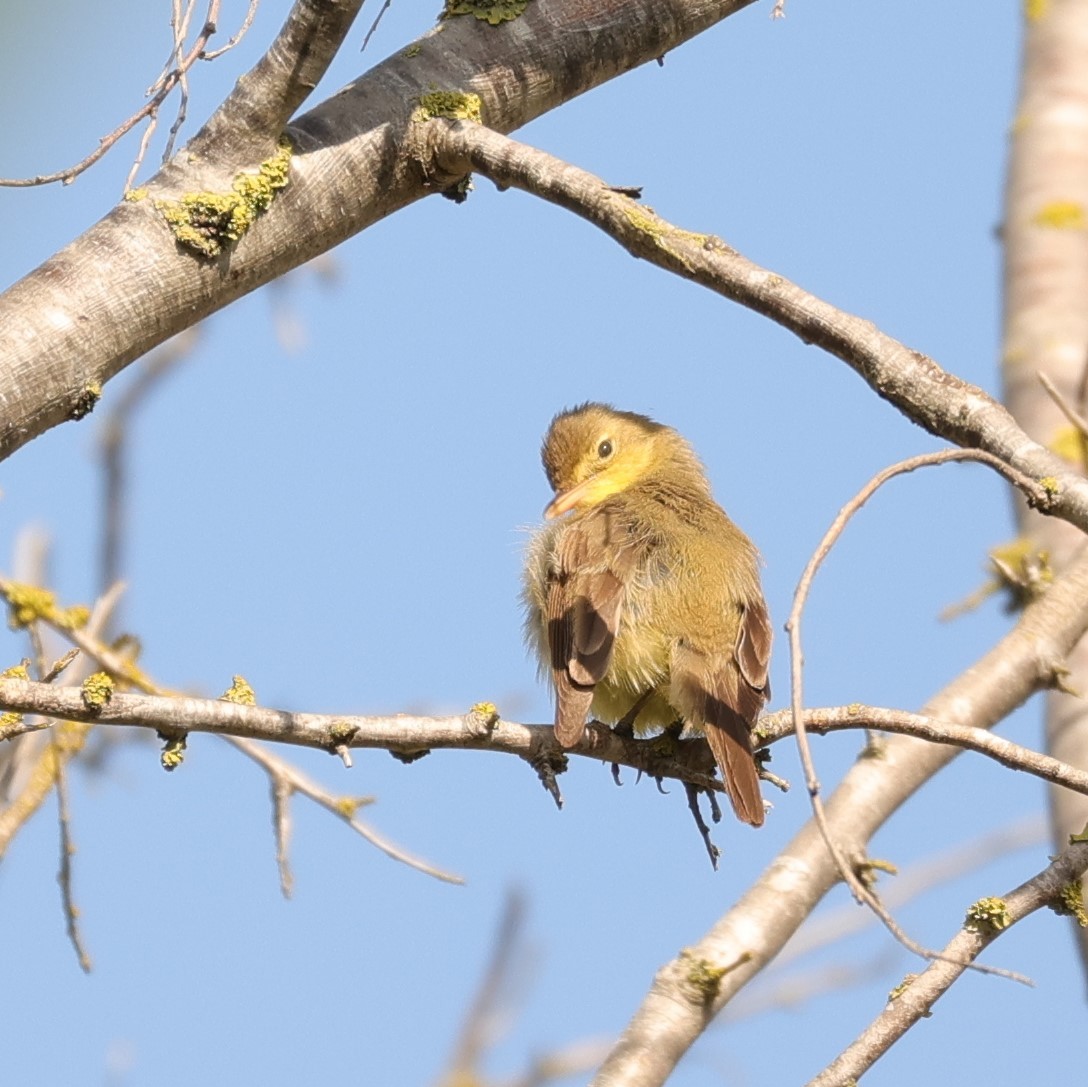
{"points": [[208, 222]]}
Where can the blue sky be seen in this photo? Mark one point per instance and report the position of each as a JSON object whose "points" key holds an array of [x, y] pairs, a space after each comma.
{"points": [[342, 523]]}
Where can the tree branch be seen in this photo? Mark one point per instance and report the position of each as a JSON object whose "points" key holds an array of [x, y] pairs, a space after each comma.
{"points": [[474, 731], [127, 284], [253, 116], [915, 999], [915, 384], [674, 1013]]}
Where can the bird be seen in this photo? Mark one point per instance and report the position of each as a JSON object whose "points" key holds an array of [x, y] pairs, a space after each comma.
{"points": [[642, 598]]}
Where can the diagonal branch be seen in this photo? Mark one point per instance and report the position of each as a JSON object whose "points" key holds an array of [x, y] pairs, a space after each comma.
{"points": [[913, 1001], [252, 117], [673, 1014], [126, 284], [933, 398]]}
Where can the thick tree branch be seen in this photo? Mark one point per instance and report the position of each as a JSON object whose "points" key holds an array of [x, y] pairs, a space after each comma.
{"points": [[674, 1013], [925, 393], [1045, 320], [127, 284], [254, 114]]}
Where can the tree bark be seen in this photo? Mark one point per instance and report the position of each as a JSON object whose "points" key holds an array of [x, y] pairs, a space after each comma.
{"points": [[1046, 316], [127, 284]]}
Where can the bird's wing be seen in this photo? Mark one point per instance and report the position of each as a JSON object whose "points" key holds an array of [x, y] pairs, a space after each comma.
{"points": [[721, 695], [585, 600], [753, 649]]}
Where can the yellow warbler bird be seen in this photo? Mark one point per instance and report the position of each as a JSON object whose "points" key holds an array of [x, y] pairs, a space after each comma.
{"points": [[642, 597]]}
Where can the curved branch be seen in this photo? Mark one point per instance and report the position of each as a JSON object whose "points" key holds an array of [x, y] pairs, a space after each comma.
{"points": [[914, 383], [672, 1016]]}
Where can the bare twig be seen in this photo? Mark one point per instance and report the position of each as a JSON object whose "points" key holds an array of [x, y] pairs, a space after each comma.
{"points": [[782, 985], [247, 22], [374, 25], [914, 1000], [1016, 757], [793, 628], [286, 776], [67, 849], [281, 825], [1075, 418], [162, 90], [489, 1009], [406, 732], [41, 774], [158, 365]]}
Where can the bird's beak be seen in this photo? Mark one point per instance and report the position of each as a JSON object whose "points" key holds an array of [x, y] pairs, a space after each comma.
{"points": [[566, 500]]}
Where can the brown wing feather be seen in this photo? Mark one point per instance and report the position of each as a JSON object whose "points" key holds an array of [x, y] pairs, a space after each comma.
{"points": [[754, 648], [712, 695], [584, 607]]}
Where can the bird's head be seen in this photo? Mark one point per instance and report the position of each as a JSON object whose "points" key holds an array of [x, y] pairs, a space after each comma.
{"points": [[593, 452]]}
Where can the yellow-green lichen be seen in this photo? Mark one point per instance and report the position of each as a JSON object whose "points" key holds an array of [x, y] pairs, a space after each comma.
{"points": [[207, 222], [988, 916], [134, 196], [702, 976], [341, 732], [1035, 9], [1051, 485], [29, 603], [173, 751], [9, 721], [1070, 903], [661, 232], [1061, 215], [868, 869], [97, 690], [456, 105], [413, 50], [492, 12], [347, 806], [240, 692], [902, 987], [85, 400]]}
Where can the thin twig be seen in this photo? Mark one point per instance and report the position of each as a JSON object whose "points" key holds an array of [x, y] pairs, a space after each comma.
{"points": [[483, 1020], [247, 22], [113, 440], [793, 627], [281, 825], [374, 25], [913, 1001], [344, 807], [1075, 417], [783, 985], [165, 86], [775, 726], [67, 849]]}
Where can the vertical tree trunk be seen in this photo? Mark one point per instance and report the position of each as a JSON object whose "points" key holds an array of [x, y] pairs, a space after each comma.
{"points": [[1046, 313]]}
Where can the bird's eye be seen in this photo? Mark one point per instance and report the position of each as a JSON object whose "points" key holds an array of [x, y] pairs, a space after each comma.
{"points": [[604, 450]]}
